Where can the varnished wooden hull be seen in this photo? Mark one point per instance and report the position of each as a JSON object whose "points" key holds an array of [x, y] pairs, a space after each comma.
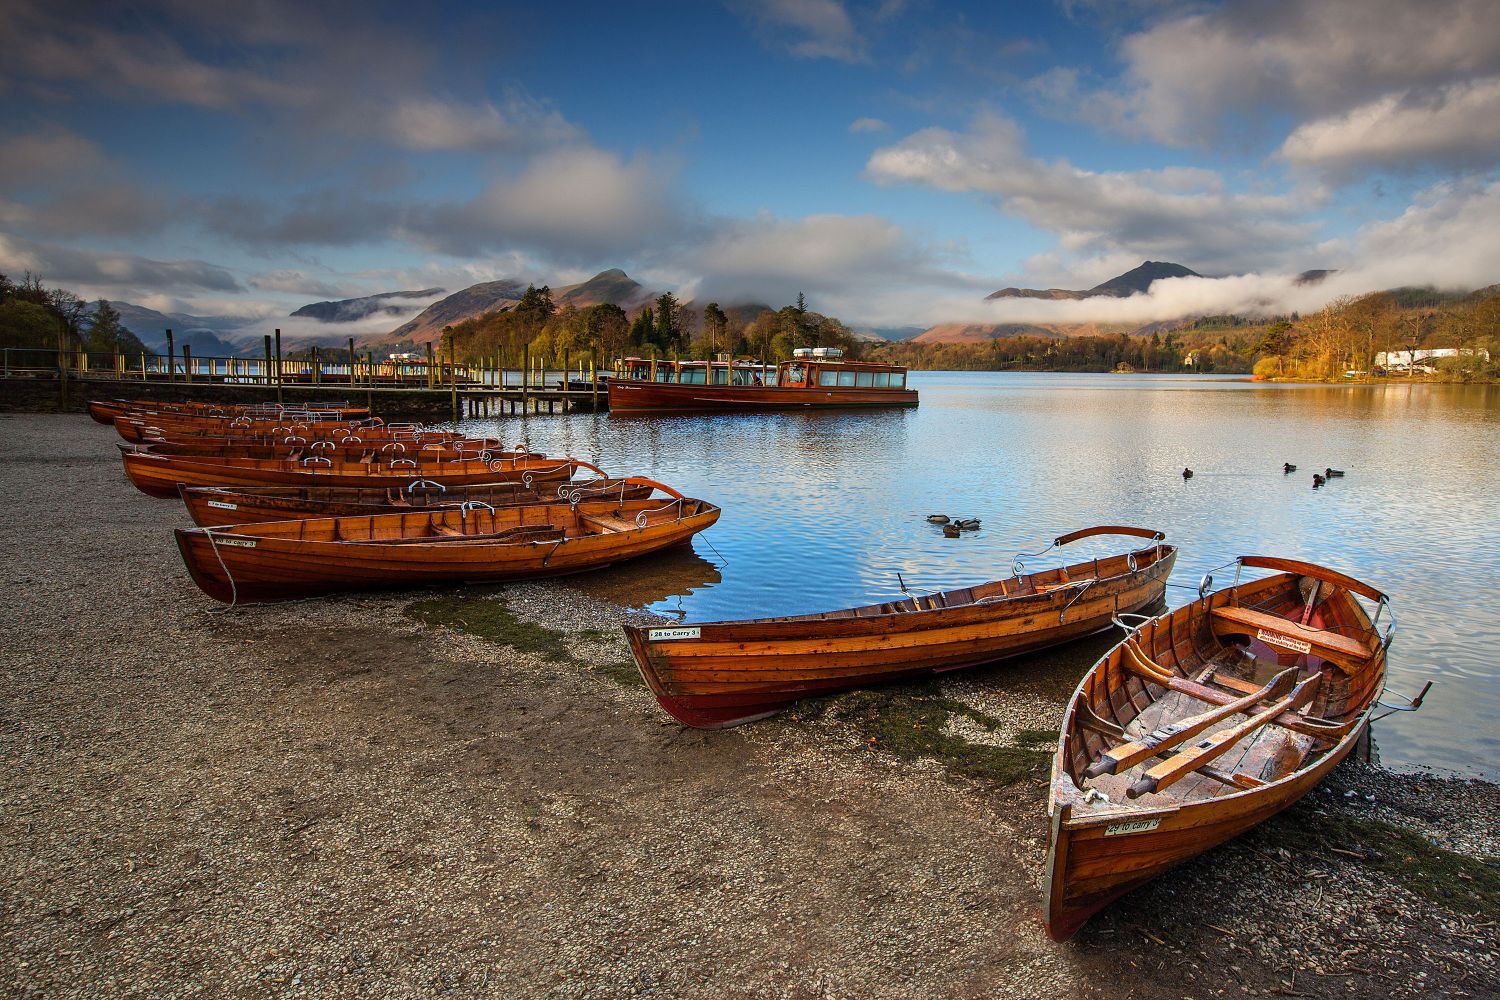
{"points": [[252, 505], [725, 673], [1097, 851], [635, 396], [338, 451], [290, 559], [105, 411], [162, 475], [136, 428]]}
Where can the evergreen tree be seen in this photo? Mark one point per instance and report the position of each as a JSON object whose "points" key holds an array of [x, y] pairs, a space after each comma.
{"points": [[668, 321], [104, 329]]}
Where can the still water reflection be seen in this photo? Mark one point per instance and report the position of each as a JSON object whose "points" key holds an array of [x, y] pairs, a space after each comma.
{"points": [[822, 510]]}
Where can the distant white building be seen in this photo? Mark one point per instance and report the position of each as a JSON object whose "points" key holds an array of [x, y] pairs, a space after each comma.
{"points": [[1421, 358]]}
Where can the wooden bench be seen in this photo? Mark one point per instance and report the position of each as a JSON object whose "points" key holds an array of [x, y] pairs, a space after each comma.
{"points": [[1345, 652]]}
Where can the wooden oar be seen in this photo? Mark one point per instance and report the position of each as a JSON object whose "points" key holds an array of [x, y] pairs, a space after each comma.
{"points": [[1138, 663], [1181, 764], [1164, 738]]}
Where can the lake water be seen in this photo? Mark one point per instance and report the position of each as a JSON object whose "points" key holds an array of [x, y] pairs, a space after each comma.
{"points": [[822, 510]]}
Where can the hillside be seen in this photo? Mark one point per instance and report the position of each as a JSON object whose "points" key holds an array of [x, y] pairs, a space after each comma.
{"points": [[208, 336], [427, 326], [349, 310], [979, 333], [1134, 281], [613, 286]]}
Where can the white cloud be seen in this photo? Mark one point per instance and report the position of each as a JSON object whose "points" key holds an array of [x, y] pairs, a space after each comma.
{"points": [[569, 203], [430, 123], [1187, 77], [867, 125], [1458, 124], [1182, 214], [109, 273], [811, 29]]}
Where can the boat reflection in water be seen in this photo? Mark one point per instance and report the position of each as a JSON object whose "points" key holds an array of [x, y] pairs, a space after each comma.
{"points": [[652, 580]]}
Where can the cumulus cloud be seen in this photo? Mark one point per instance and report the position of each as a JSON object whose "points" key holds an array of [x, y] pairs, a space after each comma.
{"points": [[571, 203], [1182, 214], [1448, 238], [811, 29], [1457, 125], [1188, 76], [430, 123], [867, 125], [325, 69], [110, 273]]}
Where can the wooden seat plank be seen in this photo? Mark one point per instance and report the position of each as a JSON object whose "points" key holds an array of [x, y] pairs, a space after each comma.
{"points": [[1345, 651]]}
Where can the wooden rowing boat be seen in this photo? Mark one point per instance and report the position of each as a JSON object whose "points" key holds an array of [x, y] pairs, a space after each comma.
{"points": [[250, 505], [280, 560], [338, 449], [406, 434], [161, 475], [136, 427], [719, 674], [1204, 722], [105, 410]]}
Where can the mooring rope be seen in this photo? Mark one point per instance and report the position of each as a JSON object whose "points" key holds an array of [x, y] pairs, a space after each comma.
{"points": [[234, 591]]}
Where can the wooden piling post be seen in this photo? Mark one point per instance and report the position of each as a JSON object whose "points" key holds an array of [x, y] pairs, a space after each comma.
{"points": [[187, 362], [593, 381], [278, 366], [267, 371], [453, 380], [525, 374], [171, 359]]}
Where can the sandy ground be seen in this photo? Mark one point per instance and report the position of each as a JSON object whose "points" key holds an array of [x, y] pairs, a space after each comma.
{"points": [[340, 798]]}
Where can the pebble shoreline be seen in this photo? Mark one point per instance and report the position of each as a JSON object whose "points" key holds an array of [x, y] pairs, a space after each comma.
{"points": [[336, 798]]}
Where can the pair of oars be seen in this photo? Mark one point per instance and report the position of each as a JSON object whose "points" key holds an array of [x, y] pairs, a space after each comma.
{"points": [[1283, 694]]}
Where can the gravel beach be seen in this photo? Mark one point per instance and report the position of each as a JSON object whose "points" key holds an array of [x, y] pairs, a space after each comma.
{"points": [[468, 792]]}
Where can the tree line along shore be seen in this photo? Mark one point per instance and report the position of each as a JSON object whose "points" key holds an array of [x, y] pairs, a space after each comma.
{"points": [[1347, 338]]}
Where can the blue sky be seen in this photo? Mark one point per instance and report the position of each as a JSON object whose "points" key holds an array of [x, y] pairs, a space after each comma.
{"points": [[894, 159]]}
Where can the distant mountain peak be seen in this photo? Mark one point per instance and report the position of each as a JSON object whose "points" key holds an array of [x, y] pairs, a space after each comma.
{"points": [[349, 310], [1137, 279]]}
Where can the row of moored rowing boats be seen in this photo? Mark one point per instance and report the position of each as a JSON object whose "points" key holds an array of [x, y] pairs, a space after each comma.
{"points": [[1199, 724]]}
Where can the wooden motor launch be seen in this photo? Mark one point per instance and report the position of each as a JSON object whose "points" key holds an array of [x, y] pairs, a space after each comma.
{"points": [[1206, 721], [161, 475], [105, 410], [209, 506], [280, 560], [718, 674], [816, 378]]}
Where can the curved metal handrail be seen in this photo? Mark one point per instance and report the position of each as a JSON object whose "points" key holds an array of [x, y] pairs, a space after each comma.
{"points": [[294, 439], [318, 458], [642, 518], [403, 461], [321, 446], [425, 483]]}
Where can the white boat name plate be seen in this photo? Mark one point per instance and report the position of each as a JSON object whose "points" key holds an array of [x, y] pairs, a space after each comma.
{"points": [[1284, 641], [668, 634], [223, 506], [1131, 826], [242, 543]]}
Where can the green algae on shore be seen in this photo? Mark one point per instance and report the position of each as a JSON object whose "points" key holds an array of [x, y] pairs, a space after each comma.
{"points": [[485, 613]]}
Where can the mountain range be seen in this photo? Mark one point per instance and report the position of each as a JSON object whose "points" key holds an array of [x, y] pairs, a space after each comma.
{"points": [[204, 334], [349, 310], [613, 285], [1137, 279]]}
